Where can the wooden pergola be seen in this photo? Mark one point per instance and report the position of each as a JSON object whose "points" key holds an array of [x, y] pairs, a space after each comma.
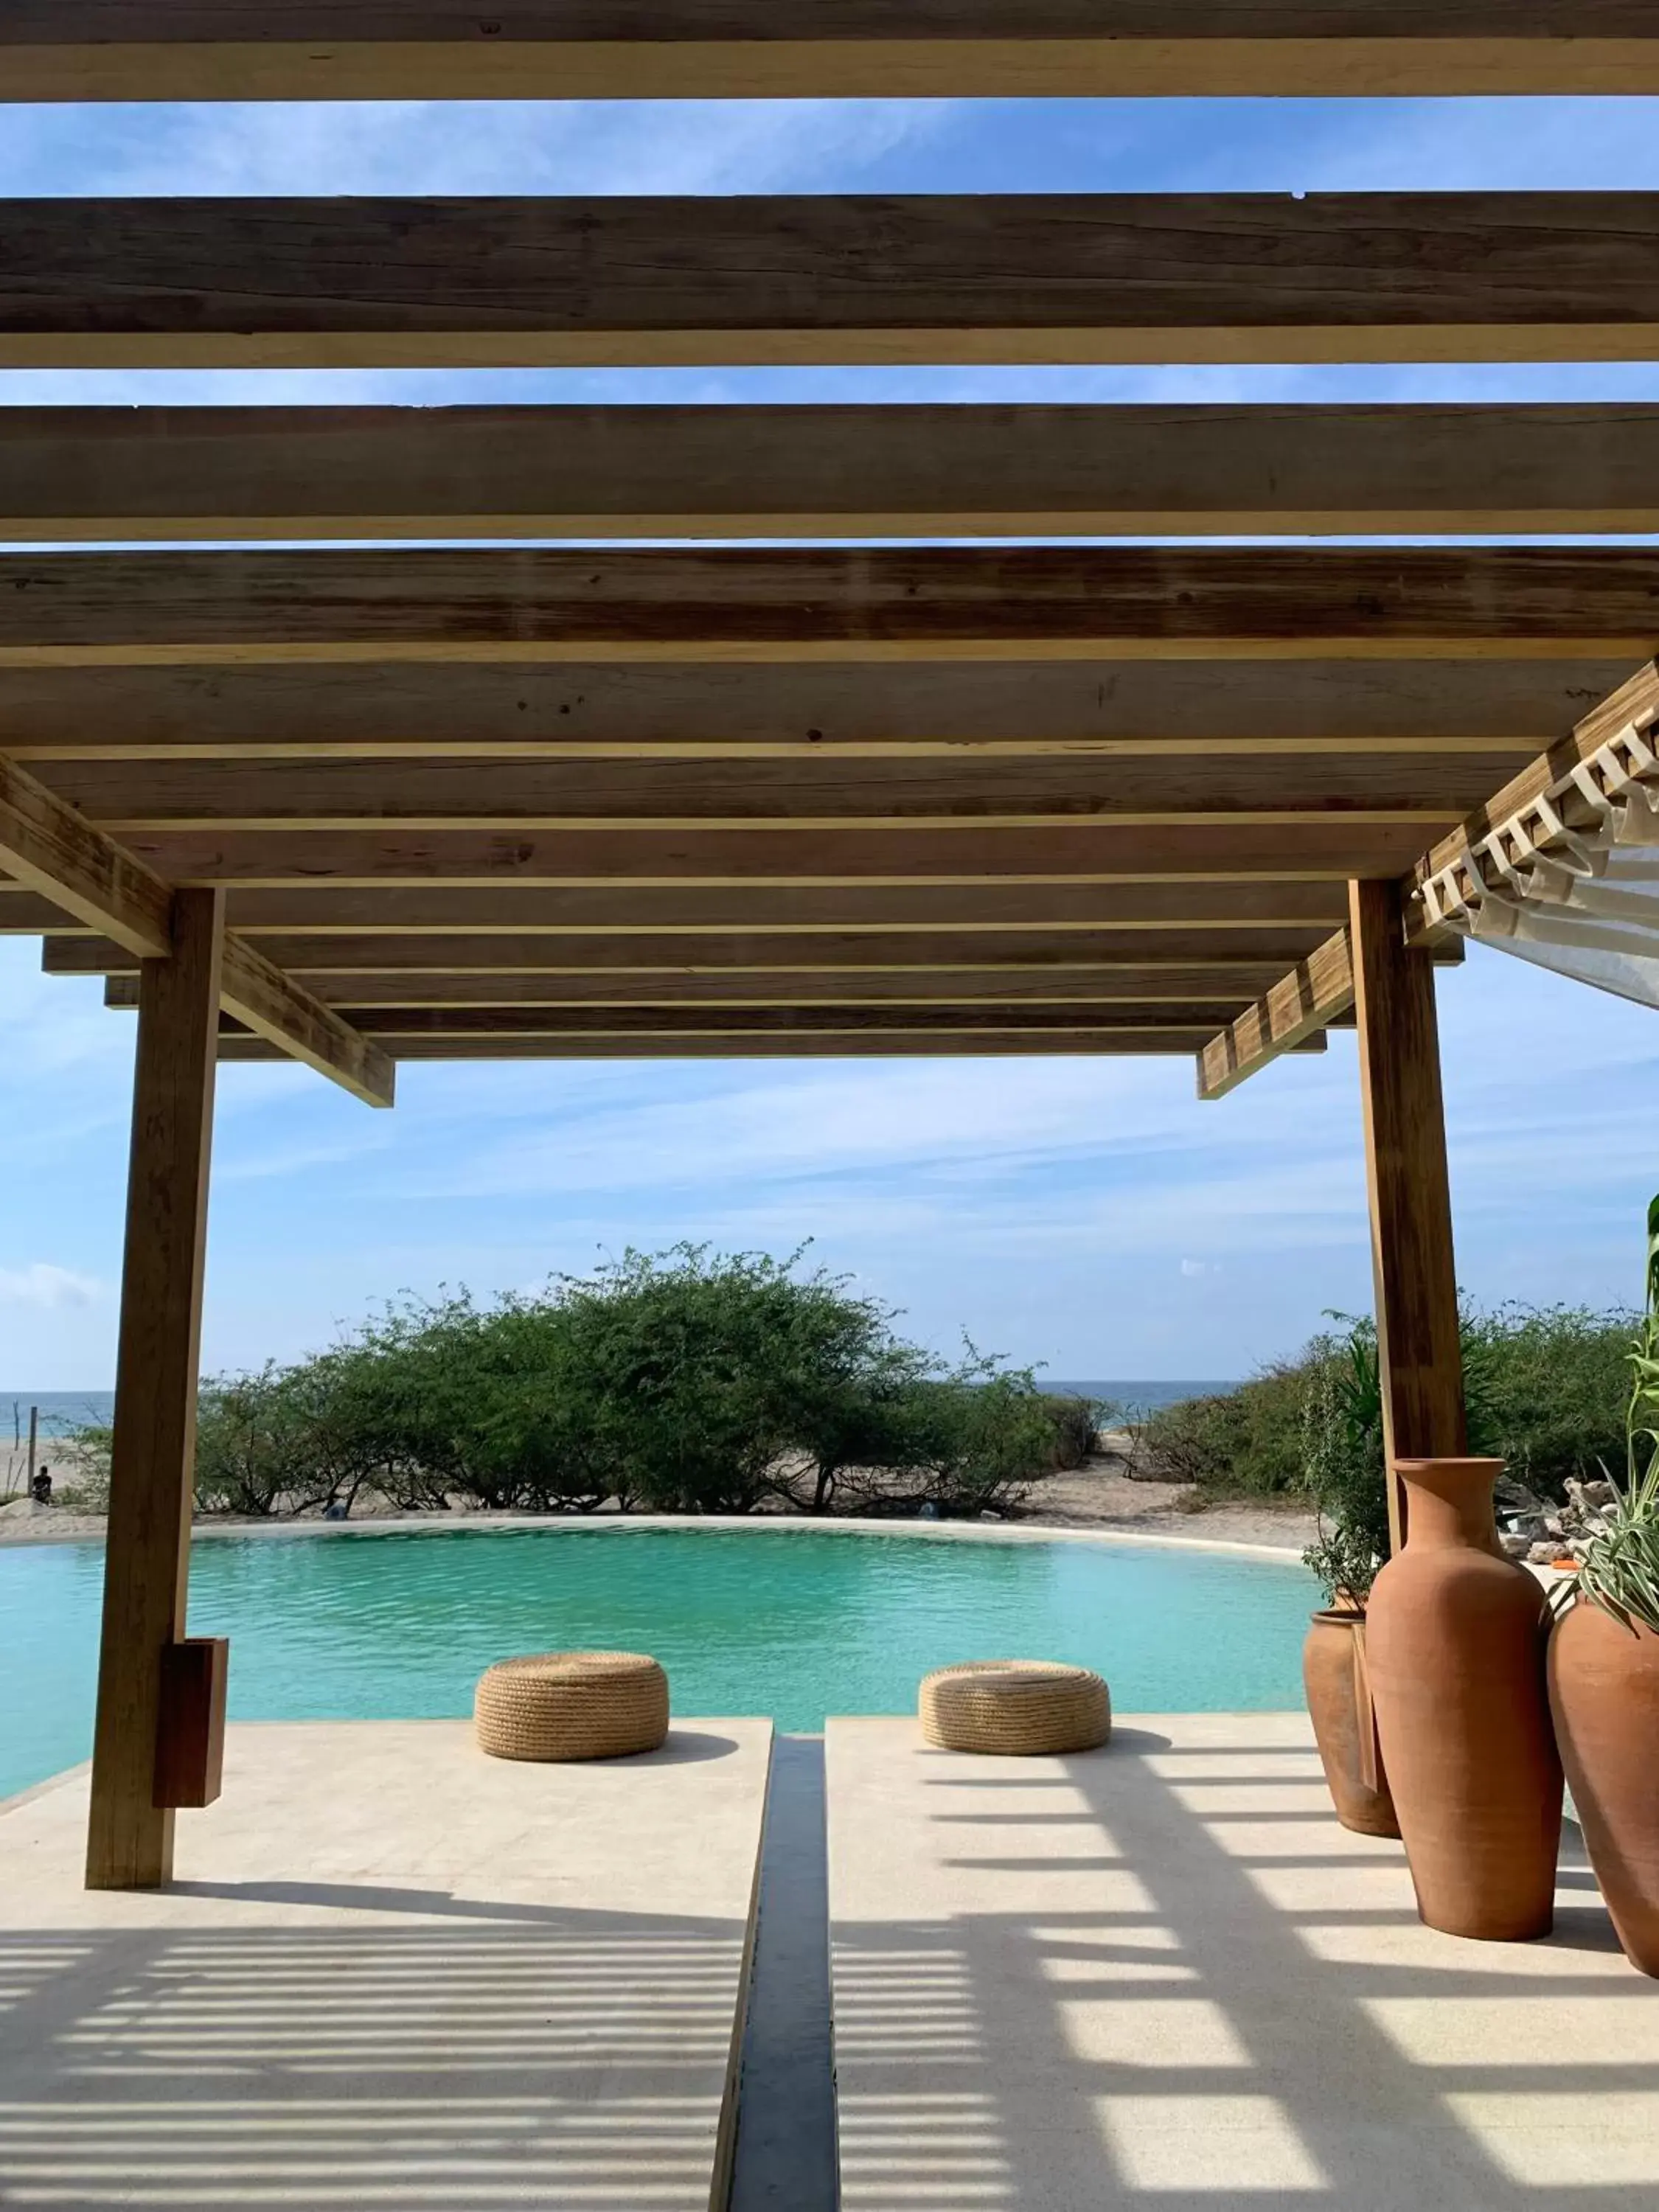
{"points": [[361, 790]]}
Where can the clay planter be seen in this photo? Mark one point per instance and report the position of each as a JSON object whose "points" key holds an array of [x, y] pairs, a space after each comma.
{"points": [[1604, 1691], [1333, 1673], [1456, 1645]]}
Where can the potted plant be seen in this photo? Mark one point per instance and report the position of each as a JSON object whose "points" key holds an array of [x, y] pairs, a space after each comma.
{"points": [[1604, 1663], [1342, 1431]]}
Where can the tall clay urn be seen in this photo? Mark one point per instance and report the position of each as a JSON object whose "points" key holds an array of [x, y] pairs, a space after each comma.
{"points": [[1604, 1689], [1336, 1678], [1456, 1644]]}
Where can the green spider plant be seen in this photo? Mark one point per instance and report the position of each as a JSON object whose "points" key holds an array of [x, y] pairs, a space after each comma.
{"points": [[1618, 1565]]}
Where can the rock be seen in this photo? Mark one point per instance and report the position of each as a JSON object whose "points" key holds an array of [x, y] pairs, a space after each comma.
{"points": [[1515, 1547], [1544, 1555]]}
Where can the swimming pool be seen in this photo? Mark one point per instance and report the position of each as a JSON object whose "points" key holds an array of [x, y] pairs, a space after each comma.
{"points": [[792, 1622]]}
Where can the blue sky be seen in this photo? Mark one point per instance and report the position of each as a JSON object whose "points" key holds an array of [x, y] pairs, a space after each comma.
{"points": [[1092, 1216]]}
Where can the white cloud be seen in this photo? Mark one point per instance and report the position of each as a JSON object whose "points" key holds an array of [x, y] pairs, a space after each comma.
{"points": [[42, 1284]]}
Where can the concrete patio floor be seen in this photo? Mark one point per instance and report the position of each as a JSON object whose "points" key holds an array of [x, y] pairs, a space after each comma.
{"points": [[391, 1972], [1162, 1975]]}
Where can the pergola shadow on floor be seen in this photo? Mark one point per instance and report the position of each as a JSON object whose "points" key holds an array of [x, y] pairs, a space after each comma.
{"points": [[1162, 1974], [394, 1973], [305, 767]]}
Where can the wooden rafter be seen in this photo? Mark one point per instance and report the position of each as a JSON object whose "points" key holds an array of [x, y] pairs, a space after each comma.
{"points": [[292, 1017], [1239, 955], [59, 856], [1634, 705], [158, 473], [54, 853], [1186, 907], [817, 789], [871, 605], [593, 709], [1302, 1004], [188, 50], [892, 854], [1115, 1041], [267, 283], [1199, 993], [1318, 989]]}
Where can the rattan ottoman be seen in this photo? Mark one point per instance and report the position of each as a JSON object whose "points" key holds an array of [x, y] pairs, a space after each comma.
{"points": [[572, 1704], [1023, 1706]]}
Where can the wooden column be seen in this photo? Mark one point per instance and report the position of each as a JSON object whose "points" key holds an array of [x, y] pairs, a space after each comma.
{"points": [[1416, 1277], [129, 1842]]}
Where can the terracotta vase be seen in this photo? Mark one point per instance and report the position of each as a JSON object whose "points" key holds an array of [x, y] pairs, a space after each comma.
{"points": [[1338, 1684], [1456, 1644], [1604, 1691]]}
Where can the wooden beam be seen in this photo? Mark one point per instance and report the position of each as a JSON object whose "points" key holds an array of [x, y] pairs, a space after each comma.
{"points": [[1177, 784], [23, 914], [274, 1006], [1635, 703], [964, 854], [1240, 954], [589, 710], [1412, 1262], [892, 1044], [126, 473], [888, 602], [1178, 911], [390, 1023], [273, 283], [49, 849], [130, 1840], [213, 49], [1194, 992], [1300, 1005]]}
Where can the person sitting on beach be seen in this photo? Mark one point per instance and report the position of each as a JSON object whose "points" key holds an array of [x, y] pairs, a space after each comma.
{"points": [[41, 1488]]}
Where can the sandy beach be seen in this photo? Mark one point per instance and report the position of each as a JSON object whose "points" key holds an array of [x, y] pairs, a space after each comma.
{"points": [[1099, 1495]]}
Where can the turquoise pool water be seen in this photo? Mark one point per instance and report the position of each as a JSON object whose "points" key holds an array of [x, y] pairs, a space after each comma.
{"points": [[796, 1624]]}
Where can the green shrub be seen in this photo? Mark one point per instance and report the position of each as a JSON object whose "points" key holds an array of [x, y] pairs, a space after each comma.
{"points": [[1545, 1389], [680, 1382], [1242, 1442]]}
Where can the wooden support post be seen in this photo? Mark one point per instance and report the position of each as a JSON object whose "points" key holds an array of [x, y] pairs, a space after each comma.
{"points": [[1416, 1277], [129, 1842]]}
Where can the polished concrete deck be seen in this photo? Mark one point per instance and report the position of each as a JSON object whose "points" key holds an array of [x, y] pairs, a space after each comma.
{"points": [[1161, 1976], [392, 1973]]}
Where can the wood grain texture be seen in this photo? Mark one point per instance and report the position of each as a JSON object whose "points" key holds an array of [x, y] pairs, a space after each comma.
{"points": [[966, 853], [130, 1841], [54, 853], [867, 472], [391, 1024], [24, 914], [275, 283], [1195, 990], [274, 1006], [1239, 953], [1174, 784], [1187, 906], [896, 1044], [1413, 1266], [203, 50], [588, 709], [1022, 603], [1297, 1007]]}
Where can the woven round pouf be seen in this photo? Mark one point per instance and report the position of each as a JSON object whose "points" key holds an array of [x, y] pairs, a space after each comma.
{"points": [[572, 1704], [1022, 1706]]}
